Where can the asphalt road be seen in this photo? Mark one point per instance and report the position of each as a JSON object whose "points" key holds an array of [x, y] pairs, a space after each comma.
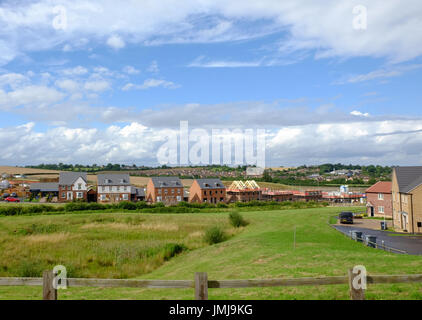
{"points": [[411, 244]]}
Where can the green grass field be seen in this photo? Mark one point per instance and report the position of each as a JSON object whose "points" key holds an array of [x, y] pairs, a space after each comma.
{"points": [[114, 245]]}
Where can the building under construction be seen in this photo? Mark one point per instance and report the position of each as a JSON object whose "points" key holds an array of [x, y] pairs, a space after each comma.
{"points": [[240, 191]]}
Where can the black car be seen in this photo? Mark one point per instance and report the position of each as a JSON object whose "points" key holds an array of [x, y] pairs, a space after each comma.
{"points": [[346, 217]]}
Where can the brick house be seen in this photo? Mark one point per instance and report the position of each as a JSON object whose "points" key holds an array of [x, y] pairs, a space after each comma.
{"points": [[379, 200], [73, 186], [168, 190], [207, 191], [114, 188], [407, 199]]}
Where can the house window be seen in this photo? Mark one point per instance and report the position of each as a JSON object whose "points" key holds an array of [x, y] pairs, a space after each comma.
{"points": [[178, 191], [125, 197], [63, 195], [380, 209], [79, 186], [179, 198], [380, 196], [158, 199], [159, 191], [166, 191], [79, 195], [103, 188], [125, 188], [103, 197]]}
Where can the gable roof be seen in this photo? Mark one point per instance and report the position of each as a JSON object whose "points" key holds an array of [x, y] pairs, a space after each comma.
{"points": [[69, 178], [210, 183], [113, 179], [380, 187], [408, 178], [166, 182], [44, 187], [140, 192]]}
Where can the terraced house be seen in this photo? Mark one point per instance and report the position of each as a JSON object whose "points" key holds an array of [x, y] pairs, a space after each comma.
{"points": [[407, 199], [113, 188], [168, 190], [73, 186], [207, 191]]}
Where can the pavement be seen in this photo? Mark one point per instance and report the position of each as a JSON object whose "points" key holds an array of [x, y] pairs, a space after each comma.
{"points": [[411, 244]]}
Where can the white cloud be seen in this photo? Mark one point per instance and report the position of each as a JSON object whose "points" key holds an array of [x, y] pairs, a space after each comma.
{"points": [[13, 80], [200, 63], [151, 83], [325, 28], [76, 71], [116, 42], [29, 95], [385, 73], [68, 85], [357, 142], [97, 86], [359, 114], [131, 70]]}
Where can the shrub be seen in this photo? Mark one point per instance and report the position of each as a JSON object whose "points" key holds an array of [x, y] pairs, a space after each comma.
{"points": [[29, 269], [214, 235], [172, 249], [38, 229], [141, 205], [127, 205], [236, 220]]}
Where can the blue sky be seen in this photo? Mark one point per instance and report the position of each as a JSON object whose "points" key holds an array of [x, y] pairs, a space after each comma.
{"points": [[87, 82]]}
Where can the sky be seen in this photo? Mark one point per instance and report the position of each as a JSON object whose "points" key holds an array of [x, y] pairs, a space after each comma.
{"points": [[329, 81]]}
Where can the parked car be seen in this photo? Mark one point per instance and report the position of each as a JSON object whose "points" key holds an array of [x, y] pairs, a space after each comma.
{"points": [[346, 217], [358, 216], [11, 199]]}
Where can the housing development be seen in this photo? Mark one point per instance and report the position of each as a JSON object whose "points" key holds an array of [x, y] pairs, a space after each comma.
{"points": [[232, 151]]}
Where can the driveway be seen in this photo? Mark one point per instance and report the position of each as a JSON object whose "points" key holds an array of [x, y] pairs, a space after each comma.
{"points": [[411, 244]]}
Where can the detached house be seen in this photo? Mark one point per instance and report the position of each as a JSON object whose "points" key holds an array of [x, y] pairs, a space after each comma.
{"points": [[113, 187], [73, 186], [407, 199], [379, 201], [207, 191], [168, 190]]}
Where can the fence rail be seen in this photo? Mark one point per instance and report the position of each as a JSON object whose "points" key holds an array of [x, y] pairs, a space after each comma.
{"points": [[201, 284], [376, 245]]}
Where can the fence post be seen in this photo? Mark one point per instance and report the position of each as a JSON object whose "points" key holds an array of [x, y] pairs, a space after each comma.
{"points": [[355, 294], [201, 286], [48, 292]]}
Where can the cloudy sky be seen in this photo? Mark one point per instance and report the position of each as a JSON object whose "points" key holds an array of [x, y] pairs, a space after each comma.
{"points": [[91, 82]]}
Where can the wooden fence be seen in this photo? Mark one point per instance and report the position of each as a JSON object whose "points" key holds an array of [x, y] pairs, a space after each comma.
{"points": [[201, 283]]}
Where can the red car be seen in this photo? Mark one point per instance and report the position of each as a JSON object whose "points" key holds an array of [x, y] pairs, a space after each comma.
{"points": [[10, 199]]}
